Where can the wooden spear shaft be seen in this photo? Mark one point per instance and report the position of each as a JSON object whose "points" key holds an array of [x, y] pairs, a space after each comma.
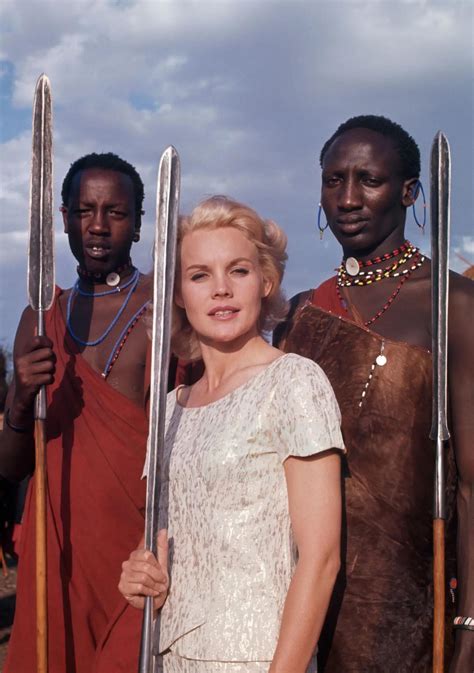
{"points": [[41, 556]]}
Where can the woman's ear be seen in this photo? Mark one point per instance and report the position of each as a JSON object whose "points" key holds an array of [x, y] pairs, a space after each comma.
{"points": [[267, 287], [178, 297]]}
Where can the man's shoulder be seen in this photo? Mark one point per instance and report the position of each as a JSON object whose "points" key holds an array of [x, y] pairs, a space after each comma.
{"points": [[461, 299], [461, 285], [302, 296]]}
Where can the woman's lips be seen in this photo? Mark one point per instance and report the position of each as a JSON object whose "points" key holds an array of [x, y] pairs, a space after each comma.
{"points": [[224, 313]]}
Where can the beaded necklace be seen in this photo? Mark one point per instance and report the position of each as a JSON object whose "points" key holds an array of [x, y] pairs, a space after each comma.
{"points": [[119, 344], [404, 275], [350, 272], [111, 279], [104, 335]]}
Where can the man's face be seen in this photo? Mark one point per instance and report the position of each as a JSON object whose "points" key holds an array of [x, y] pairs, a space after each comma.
{"points": [[100, 219], [363, 192]]}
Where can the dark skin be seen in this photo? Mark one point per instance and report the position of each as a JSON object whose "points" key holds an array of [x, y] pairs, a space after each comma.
{"points": [[365, 197], [101, 222]]}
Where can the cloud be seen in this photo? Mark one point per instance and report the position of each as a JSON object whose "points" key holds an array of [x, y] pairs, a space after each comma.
{"points": [[246, 90]]}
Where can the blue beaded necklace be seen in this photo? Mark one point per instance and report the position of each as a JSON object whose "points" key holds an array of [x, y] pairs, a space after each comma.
{"points": [[76, 290]]}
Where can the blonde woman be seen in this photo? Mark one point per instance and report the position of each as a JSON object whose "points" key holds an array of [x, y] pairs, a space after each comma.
{"points": [[250, 478]]}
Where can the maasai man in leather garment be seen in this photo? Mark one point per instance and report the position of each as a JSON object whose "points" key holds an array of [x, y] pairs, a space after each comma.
{"points": [[93, 361], [369, 328]]}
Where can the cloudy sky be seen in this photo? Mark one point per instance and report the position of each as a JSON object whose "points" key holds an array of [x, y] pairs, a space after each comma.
{"points": [[246, 90]]}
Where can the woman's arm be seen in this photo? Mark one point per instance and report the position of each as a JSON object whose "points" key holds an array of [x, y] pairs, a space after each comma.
{"points": [[314, 495]]}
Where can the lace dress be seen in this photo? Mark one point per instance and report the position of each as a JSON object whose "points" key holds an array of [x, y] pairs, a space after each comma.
{"points": [[224, 501]]}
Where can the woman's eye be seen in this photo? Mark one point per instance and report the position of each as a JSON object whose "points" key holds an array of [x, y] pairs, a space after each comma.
{"points": [[198, 276], [240, 271]]}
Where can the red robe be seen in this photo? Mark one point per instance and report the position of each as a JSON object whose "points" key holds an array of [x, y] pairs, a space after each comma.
{"points": [[96, 441]]}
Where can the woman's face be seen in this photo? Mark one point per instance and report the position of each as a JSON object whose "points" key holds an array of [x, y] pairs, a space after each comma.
{"points": [[221, 285]]}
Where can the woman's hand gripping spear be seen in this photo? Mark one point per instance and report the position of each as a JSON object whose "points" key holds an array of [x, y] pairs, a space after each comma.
{"points": [[40, 296]]}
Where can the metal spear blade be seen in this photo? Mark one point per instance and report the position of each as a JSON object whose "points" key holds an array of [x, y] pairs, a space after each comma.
{"points": [[41, 234], [164, 270], [440, 176], [163, 283]]}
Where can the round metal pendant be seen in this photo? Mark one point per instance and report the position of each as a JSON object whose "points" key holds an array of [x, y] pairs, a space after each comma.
{"points": [[352, 266], [113, 279], [381, 360]]}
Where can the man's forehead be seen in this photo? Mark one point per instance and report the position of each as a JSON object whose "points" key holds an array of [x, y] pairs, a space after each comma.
{"points": [[102, 180], [362, 144]]}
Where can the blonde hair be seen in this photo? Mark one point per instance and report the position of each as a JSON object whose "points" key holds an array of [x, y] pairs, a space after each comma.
{"points": [[217, 212]]}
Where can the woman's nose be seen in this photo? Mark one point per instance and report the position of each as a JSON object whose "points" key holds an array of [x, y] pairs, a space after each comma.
{"points": [[221, 288]]}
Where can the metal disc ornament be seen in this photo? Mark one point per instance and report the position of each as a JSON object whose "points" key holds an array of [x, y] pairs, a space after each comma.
{"points": [[352, 266], [381, 360], [112, 279]]}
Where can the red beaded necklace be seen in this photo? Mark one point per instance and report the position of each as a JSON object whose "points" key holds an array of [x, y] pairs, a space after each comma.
{"points": [[387, 255], [418, 260]]}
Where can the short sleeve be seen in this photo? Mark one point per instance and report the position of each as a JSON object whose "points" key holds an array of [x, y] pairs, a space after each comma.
{"points": [[307, 416]]}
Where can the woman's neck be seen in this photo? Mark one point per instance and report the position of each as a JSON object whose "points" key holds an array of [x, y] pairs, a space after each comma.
{"points": [[221, 361]]}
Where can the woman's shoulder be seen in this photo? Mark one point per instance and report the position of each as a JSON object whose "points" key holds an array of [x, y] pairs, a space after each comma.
{"points": [[295, 365], [299, 378]]}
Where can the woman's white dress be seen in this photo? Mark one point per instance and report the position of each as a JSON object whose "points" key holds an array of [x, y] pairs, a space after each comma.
{"points": [[224, 502]]}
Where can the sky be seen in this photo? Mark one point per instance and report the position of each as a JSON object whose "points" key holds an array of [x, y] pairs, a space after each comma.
{"points": [[246, 90]]}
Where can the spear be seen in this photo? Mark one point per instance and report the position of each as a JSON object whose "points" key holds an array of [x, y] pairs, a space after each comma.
{"points": [[40, 296], [167, 203], [440, 177]]}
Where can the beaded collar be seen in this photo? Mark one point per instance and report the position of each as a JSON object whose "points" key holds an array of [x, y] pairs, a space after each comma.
{"points": [[354, 272], [112, 278]]}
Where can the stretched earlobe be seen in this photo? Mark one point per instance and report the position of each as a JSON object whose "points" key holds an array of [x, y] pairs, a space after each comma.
{"points": [[411, 190], [136, 237]]}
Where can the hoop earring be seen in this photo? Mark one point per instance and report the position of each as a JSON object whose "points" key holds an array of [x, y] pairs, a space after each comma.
{"points": [[321, 229], [418, 189]]}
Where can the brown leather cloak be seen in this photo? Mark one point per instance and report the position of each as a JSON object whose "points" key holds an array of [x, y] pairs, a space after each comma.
{"points": [[380, 618]]}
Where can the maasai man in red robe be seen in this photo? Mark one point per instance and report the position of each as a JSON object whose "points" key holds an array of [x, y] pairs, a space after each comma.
{"points": [[93, 361], [369, 328]]}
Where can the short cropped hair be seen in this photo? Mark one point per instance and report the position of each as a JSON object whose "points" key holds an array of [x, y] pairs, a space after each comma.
{"points": [[404, 144], [217, 212], [110, 162]]}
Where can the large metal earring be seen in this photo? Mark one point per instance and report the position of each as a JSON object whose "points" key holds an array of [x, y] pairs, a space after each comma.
{"points": [[418, 189], [321, 229]]}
